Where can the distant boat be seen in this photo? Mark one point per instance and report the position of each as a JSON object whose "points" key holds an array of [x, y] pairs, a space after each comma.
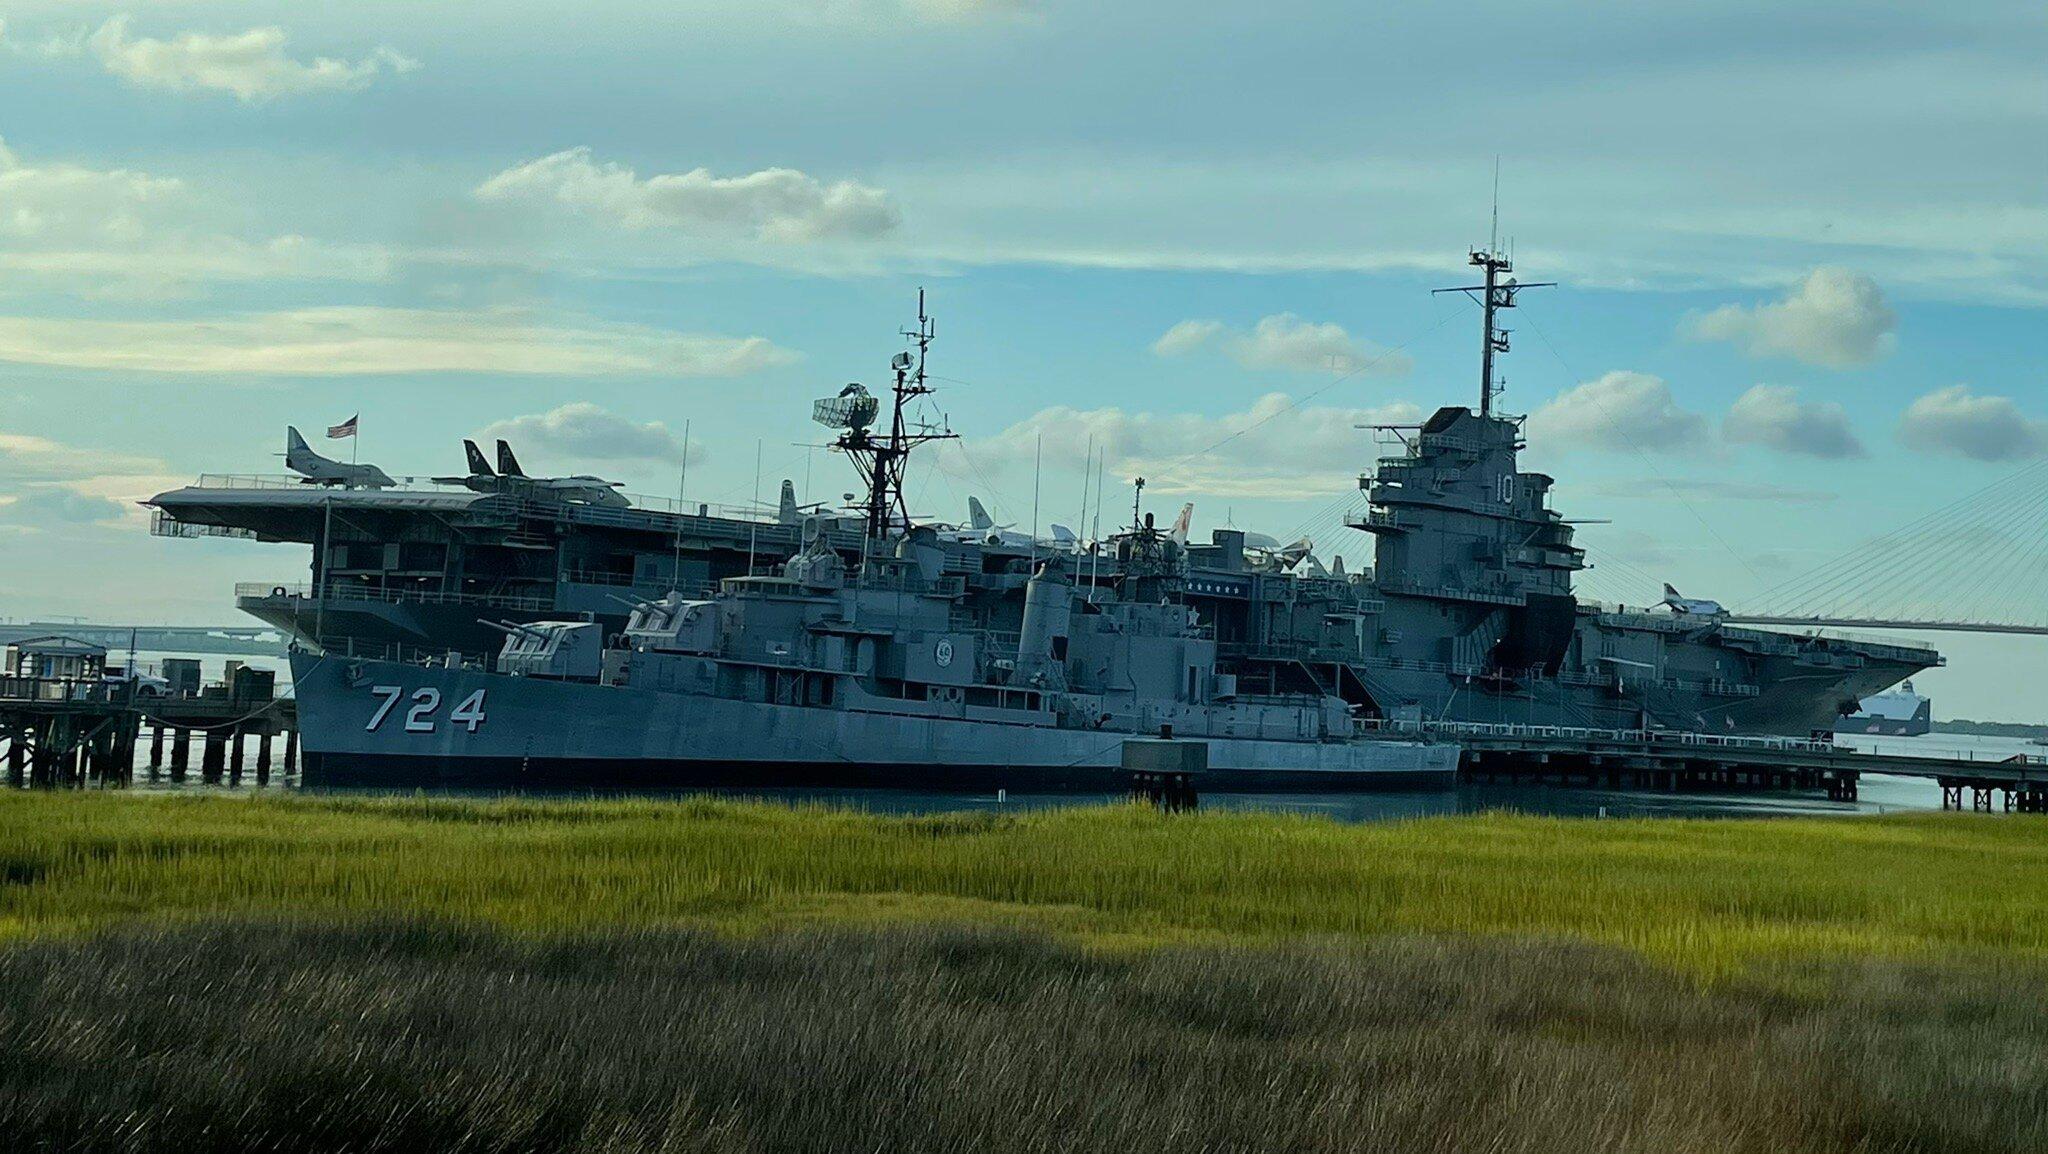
{"points": [[1895, 713]]}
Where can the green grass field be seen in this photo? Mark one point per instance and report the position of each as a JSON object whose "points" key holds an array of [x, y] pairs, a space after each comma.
{"points": [[298, 973], [1709, 898]]}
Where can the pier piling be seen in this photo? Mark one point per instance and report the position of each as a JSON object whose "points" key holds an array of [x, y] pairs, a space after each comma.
{"points": [[181, 754], [213, 756]]}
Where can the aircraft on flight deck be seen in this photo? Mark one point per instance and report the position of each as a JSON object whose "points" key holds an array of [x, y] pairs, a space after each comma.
{"points": [[314, 469], [1691, 607], [510, 478]]}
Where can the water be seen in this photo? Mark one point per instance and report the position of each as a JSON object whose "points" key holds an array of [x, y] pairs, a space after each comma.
{"points": [[212, 666], [1878, 793]]}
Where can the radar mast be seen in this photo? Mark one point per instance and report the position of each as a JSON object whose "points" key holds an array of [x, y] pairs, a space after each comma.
{"points": [[882, 459], [1493, 295]]}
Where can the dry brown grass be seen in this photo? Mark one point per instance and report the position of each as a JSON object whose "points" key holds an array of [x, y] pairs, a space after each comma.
{"points": [[420, 1036]]}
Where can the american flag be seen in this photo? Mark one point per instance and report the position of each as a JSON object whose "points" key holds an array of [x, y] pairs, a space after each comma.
{"points": [[345, 429]]}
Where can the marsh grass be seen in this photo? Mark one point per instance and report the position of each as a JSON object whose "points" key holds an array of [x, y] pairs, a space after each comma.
{"points": [[1713, 899], [418, 1036]]}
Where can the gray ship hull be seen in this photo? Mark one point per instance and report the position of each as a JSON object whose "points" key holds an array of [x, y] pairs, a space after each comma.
{"points": [[1884, 726], [533, 733]]}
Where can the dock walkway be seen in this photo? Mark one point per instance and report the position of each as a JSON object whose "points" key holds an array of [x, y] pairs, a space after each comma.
{"points": [[1673, 760], [58, 732]]}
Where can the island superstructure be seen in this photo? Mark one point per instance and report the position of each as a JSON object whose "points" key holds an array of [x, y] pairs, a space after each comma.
{"points": [[1468, 613]]}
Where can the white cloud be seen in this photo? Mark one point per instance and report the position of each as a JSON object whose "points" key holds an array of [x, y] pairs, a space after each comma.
{"points": [[118, 232], [360, 340], [1186, 337], [57, 504], [49, 47], [1774, 416], [585, 431], [46, 483], [1834, 318], [27, 459], [1273, 449], [1285, 341], [67, 202], [970, 9], [776, 204], [1958, 422], [252, 64], [1621, 410]]}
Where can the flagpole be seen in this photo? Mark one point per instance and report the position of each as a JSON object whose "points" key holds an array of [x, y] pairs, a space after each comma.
{"points": [[682, 506]]}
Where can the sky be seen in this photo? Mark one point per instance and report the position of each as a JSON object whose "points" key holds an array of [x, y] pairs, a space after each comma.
{"points": [[1801, 254]]}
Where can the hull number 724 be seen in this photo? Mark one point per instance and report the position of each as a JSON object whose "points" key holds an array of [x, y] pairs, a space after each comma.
{"points": [[426, 702]]}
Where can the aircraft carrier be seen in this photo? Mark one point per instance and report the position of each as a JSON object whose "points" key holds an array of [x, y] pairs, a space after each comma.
{"points": [[1467, 615]]}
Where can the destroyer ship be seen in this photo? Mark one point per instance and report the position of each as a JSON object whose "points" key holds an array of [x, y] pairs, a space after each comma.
{"points": [[877, 675], [1467, 614]]}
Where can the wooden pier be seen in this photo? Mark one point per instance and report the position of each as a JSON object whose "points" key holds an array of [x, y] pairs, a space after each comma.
{"points": [[1670, 761], [57, 732]]}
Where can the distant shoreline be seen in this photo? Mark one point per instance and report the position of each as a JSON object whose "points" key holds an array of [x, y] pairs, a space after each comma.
{"points": [[1991, 728]]}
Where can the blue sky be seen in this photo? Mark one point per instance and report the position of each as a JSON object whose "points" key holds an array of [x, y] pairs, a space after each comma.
{"points": [[1802, 256]]}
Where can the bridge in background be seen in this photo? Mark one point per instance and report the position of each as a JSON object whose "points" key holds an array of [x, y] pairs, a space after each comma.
{"points": [[228, 640], [1976, 565]]}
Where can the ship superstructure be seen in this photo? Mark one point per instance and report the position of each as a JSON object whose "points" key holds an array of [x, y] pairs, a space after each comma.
{"points": [[822, 673], [1467, 614]]}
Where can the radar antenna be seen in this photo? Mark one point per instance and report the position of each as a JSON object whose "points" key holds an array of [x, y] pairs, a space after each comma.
{"points": [[882, 459], [1492, 296]]}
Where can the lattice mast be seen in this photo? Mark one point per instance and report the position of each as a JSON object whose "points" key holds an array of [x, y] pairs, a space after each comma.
{"points": [[882, 460]]}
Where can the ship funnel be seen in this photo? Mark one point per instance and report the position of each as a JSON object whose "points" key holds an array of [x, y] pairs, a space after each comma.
{"points": [[1048, 621]]}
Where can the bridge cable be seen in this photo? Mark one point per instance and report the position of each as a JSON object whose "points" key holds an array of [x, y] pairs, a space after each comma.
{"points": [[2038, 565], [1981, 571], [1847, 566], [1816, 586], [1948, 572]]}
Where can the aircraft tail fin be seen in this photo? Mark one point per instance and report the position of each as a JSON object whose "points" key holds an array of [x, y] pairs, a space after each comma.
{"points": [[479, 465], [977, 517], [1179, 532], [507, 463], [787, 512], [1064, 535], [298, 455], [1671, 594]]}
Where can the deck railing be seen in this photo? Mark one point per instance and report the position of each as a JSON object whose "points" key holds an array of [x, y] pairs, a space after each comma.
{"points": [[339, 591]]}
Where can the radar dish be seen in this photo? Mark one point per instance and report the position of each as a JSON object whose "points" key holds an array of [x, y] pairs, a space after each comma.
{"points": [[853, 408]]}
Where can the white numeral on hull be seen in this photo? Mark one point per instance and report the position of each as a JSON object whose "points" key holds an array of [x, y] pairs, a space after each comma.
{"points": [[469, 713]]}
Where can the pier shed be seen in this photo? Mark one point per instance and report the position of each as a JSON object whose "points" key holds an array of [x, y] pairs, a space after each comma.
{"points": [[55, 658]]}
